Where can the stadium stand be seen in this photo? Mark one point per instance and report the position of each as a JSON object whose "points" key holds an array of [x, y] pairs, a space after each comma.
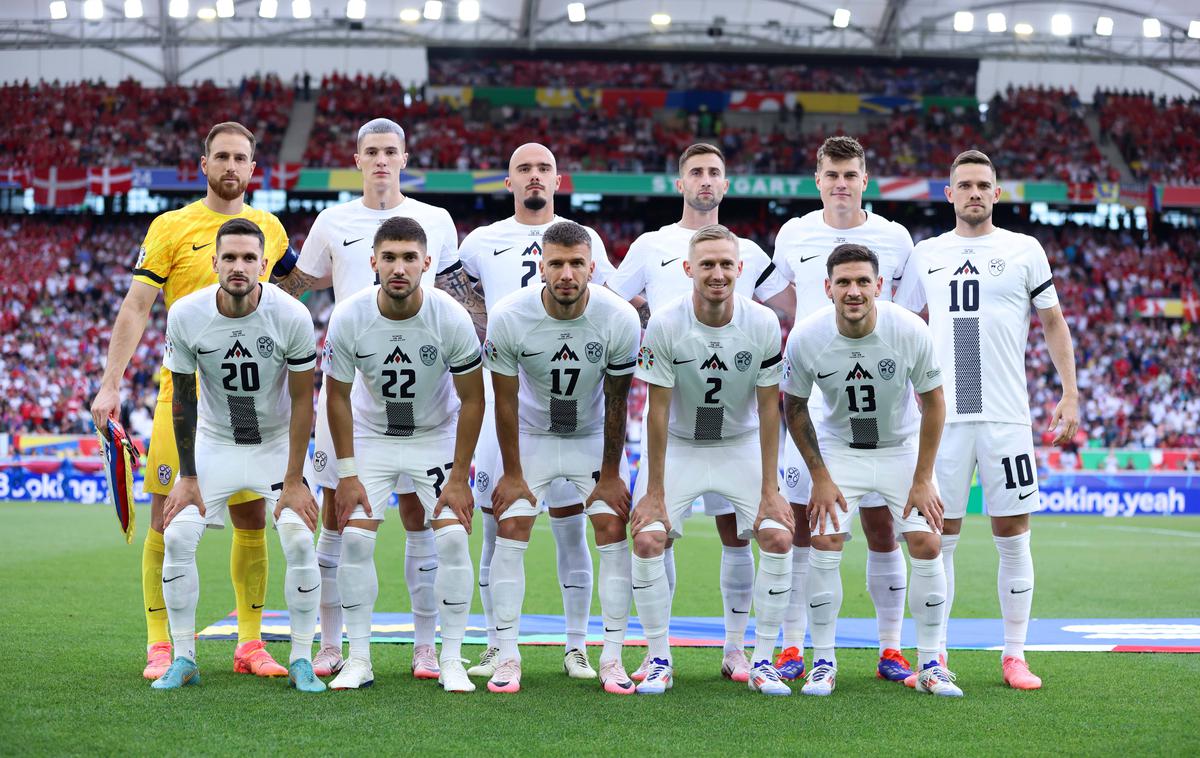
{"points": [[1159, 138]]}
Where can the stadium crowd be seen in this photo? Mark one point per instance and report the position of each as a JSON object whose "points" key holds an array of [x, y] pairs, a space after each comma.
{"points": [[1158, 137]]}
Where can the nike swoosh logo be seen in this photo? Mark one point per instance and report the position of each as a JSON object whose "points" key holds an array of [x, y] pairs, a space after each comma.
{"points": [[613, 630], [809, 258], [572, 586], [481, 584], [206, 352], [254, 607], [897, 589], [735, 610], [322, 565], [348, 243], [310, 589], [933, 605], [818, 605], [422, 569], [447, 602], [168, 581], [498, 252], [643, 587], [1021, 592], [680, 363], [200, 247], [360, 357], [668, 263], [781, 592], [1027, 494], [530, 355], [503, 628], [935, 270], [156, 610], [350, 607], [826, 376]]}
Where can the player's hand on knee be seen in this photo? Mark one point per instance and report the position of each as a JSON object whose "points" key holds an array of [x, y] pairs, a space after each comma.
{"points": [[651, 508], [824, 503], [924, 497], [185, 492], [613, 492], [457, 497], [509, 490], [348, 496], [774, 507], [299, 499], [104, 407]]}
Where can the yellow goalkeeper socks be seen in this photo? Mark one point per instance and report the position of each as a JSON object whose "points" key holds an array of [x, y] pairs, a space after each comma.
{"points": [[152, 589], [248, 569]]}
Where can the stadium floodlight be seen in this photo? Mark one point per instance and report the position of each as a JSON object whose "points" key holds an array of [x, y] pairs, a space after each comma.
{"points": [[133, 9], [356, 10], [301, 9], [433, 10], [206, 13], [468, 10], [964, 21], [410, 15], [1151, 28], [576, 13], [1104, 26], [93, 10], [1060, 25], [1023, 29], [660, 19], [178, 9], [1194, 30], [225, 9], [997, 23], [268, 8], [841, 18], [58, 10]]}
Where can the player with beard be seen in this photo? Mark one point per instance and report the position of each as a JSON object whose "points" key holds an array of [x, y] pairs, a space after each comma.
{"points": [[176, 258]]}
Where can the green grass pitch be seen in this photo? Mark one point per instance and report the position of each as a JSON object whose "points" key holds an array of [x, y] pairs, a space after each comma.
{"points": [[73, 640]]}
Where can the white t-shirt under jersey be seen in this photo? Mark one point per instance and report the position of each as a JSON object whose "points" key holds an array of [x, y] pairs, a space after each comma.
{"points": [[504, 257], [562, 364], [654, 265], [339, 243], [714, 371], [979, 291], [243, 362], [401, 370], [867, 383], [804, 244]]}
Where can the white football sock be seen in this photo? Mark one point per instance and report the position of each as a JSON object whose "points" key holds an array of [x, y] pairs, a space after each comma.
{"points": [[452, 591], [574, 575], [329, 554], [926, 596], [301, 583], [358, 585], [795, 620], [737, 593], [653, 597], [949, 544], [824, 602], [485, 577], [420, 573], [1014, 582], [181, 581], [771, 589], [669, 568], [886, 574], [616, 595], [508, 593]]}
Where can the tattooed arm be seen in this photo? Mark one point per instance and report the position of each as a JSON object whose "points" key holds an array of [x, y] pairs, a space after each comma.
{"points": [[642, 305], [456, 282], [826, 497], [296, 283], [184, 416]]}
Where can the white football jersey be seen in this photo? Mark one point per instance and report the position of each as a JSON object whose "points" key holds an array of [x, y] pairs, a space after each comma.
{"points": [[505, 256], [654, 265], [714, 371], [804, 244], [979, 291], [867, 383], [401, 370], [339, 243], [562, 364], [243, 362]]}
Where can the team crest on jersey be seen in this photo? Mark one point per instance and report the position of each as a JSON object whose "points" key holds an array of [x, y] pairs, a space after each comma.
{"points": [[564, 353], [481, 481], [967, 268], [887, 368], [397, 356], [534, 249], [164, 474], [743, 360], [237, 351], [428, 354], [787, 369], [266, 346], [714, 362], [320, 460], [996, 266], [793, 476], [594, 351], [858, 372], [327, 356], [489, 349], [645, 357], [169, 349]]}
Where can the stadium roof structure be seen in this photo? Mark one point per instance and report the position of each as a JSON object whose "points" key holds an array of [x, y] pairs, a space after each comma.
{"points": [[1162, 34]]}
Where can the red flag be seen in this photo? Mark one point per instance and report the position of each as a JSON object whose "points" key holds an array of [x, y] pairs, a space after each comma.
{"points": [[110, 181], [59, 187], [18, 176], [187, 172], [285, 175], [1191, 307], [258, 180]]}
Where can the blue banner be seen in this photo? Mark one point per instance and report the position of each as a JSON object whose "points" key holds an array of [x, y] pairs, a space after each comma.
{"points": [[1125, 494], [67, 483]]}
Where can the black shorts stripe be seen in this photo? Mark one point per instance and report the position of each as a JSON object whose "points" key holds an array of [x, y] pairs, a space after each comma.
{"points": [[621, 366], [1041, 288], [450, 269], [768, 363], [150, 275], [301, 361], [765, 274], [466, 366]]}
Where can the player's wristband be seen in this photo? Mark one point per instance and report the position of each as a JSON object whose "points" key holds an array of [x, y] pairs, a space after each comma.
{"points": [[286, 263], [346, 468]]}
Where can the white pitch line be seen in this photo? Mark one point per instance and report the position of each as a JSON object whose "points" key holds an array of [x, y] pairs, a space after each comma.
{"points": [[1147, 530]]}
